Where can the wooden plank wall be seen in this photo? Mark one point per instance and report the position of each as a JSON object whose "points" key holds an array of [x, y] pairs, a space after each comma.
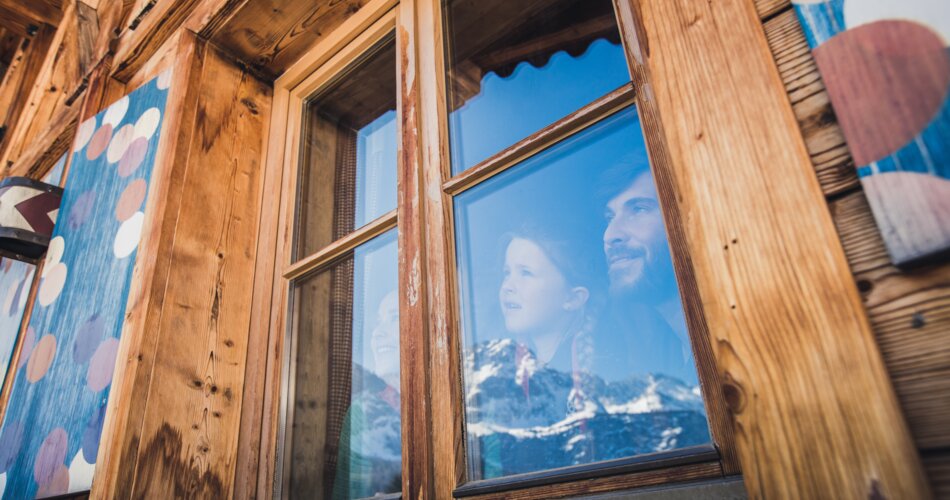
{"points": [[180, 410], [909, 310]]}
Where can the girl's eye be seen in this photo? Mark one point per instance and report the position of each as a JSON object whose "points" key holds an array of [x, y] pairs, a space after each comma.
{"points": [[525, 272]]}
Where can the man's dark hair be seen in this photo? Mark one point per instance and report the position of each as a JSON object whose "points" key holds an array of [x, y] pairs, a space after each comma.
{"points": [[616, 178]]}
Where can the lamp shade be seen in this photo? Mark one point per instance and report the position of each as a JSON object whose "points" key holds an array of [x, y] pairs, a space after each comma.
{"points": [[28, 210]]}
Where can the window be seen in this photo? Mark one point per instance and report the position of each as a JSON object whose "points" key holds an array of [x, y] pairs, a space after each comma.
{"points": [[342, 409], [531, 236]]}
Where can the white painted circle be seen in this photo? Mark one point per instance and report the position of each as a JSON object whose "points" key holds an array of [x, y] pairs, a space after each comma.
{"points": [[120, 142], [147, 124], [86, 129], [116, 112], [54, 253], [127, 239], [80, 473], [52, 285], [935, 14]]}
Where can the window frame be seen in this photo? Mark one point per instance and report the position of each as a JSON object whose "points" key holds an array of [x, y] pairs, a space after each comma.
{"points": [[434, 457]]}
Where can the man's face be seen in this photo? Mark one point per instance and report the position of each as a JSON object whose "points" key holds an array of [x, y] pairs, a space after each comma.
{"points": [[638, 257]]}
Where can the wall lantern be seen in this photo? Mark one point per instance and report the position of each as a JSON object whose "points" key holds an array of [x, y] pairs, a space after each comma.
{"points": [[28, 210]]}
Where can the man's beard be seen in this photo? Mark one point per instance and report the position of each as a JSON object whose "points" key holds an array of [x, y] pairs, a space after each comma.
{"points": [[655, 285]]}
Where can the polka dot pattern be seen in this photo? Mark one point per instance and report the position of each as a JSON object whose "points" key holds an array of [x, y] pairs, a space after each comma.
{"points": [[52, 285], [68, 355], [131, 200], [133, 157], [88, 338], [41, 358], [116, 112], [29, 342], [120, 142], [147, 124], [102, 365], [99, 142], [51, 456], [127, 240], [81, 210], [84, 133], [11, 439]]}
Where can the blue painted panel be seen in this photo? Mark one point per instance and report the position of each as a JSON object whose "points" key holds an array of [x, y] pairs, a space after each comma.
{"points": [[51, 431], [15, 280]]}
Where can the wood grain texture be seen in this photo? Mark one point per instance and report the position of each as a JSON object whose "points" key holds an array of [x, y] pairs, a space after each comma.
{"points": [[121, 434], [422, 73], [37, 11], [938, 468], [19, 81], [717, 411], [199, 370], [773, 277], [910, 315], [57, 83], [823, 136], [271, 34], [613, 483], [153, 25], [416, 335], [768, 8], [48, 146]]}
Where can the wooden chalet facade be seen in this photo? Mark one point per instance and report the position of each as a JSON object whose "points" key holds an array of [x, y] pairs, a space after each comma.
{"points": [[824, 368]]}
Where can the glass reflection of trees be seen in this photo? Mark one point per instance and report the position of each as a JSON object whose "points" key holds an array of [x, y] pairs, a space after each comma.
{"points": [[575, 345]]}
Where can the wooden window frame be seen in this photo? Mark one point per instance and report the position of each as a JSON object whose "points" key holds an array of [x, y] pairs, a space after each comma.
{"points": [[434, 459]]}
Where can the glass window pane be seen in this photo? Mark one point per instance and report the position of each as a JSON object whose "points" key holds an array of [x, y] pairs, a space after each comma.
{"points": [[344, 432], [575, 347], [516, 67], [348, 153]]}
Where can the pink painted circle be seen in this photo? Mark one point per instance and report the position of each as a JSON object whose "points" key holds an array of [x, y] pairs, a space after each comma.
{"points": [[131, 200], [41, 358], [51, 456], [133, 157], [58, 484], [99, 142], [99, 375], [120, 142], [29, 342], [902, 60]]}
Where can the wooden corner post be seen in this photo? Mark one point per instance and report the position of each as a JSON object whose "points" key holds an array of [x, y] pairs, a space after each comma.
{"points": [[813, 409]]}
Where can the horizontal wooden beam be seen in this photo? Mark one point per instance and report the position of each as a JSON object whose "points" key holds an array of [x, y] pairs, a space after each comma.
{"points": [[25, 17]]}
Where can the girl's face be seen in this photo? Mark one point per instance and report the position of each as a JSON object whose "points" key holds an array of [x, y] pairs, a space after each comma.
{"points": [[534, 294]]}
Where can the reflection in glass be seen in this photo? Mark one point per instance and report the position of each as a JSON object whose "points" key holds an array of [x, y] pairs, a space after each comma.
{"points": [[344, 433], [516, 67], [348, 153], [575, 344]]}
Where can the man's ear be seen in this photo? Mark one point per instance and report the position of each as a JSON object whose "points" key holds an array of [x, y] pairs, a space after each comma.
{"points": [[577, 299]]}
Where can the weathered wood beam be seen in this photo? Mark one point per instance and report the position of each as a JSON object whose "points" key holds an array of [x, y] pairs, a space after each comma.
{"points": [[149, 29], [272, 34], [25, 17], [791, 338], [19, 79], [47, 147]]}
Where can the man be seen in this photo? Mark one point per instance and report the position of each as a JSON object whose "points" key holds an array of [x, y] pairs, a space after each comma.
{"points": [[645, 304]]}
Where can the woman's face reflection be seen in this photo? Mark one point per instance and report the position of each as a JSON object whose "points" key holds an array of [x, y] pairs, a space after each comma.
{"points": [[533, 292], [384, 340]]}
